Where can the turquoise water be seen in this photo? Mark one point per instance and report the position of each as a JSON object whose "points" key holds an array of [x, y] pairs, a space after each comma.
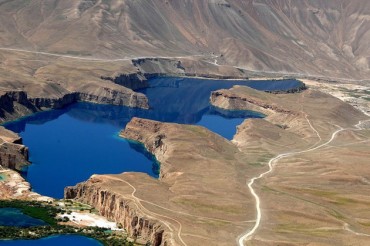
{"points": [[61, 240], [68, 145], [2, 177], [15, 217]]}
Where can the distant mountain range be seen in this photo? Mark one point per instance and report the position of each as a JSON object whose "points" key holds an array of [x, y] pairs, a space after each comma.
{"points": [[324, 38]]}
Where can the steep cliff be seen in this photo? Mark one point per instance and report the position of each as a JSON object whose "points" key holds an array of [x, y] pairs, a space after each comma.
{"points": [[13, 154], [120, 209], [134, 81], [15, 104], [228, 100]]}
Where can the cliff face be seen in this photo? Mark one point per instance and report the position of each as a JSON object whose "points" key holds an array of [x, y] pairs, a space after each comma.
{"points": [[54, 103], [119, 209], [15, 104], [114, 97], [255, 100], [13, 154], [134, 81]]}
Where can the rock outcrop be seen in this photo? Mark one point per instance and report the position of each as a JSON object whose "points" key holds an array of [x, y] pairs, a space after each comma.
{"points": [[54, 103], [156, 66], [288, 111], [109, 96], [134, 81], [242, 98], [13, 154], [15, 104], [120, 209]]}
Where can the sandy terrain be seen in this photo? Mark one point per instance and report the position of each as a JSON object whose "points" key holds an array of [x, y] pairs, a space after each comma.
{"points": [[89, 219]]}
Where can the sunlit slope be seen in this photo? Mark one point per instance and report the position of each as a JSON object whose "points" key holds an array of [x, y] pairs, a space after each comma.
{"points": [[309, 37]]}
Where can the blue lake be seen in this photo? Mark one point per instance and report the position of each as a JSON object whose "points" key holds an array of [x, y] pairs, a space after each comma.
{"points": [[15, 217], [68, 145], [61, 240]]}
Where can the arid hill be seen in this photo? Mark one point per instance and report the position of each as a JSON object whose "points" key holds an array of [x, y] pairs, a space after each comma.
{"points": [[318, 38]]}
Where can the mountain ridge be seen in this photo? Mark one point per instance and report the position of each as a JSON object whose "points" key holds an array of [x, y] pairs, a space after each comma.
{"points": [[305, 37]]}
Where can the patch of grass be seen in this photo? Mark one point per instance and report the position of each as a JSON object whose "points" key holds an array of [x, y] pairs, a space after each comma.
{"points": [[323, 193], [335, 214], [303, 229], [38, 210], [208, 207], [261, 161], [43, 213], [47, 212], [265, 188], [365, 223], [196, 129], [216, 222], [344, 200]]}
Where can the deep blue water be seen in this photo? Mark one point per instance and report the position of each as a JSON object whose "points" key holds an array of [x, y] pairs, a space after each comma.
{"points": [[61, 240], [68, 145], [15, 217]]}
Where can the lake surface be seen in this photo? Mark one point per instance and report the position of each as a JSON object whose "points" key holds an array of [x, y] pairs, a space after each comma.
{"points": [[68, 145], [61, 240], [15, 217]]}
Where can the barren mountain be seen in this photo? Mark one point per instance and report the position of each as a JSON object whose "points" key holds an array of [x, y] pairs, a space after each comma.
{"points": [[318, 38], [306, 161]]}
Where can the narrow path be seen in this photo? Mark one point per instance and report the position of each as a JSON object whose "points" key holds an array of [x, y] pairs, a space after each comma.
{"points": [[150, 213], [346, 228], [91, 59], [141, 207], [271, 165]]}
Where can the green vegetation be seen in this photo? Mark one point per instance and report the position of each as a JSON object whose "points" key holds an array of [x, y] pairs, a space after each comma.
{"points": [[364, 223], [34, 209], [48, 212], [305, 229], [36, 232], [209, 207]]}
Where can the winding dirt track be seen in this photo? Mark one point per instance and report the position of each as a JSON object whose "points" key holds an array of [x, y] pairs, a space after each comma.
{"points": [[91, 59], [247, 236], [272, 162]]}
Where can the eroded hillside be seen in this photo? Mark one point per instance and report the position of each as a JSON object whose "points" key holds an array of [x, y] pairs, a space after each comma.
{"points": [[318, 38]]}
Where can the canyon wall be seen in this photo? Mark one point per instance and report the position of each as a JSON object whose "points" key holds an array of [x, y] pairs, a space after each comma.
{"points": [[120, 209], [15, 104], [134, 81], [13, 154]]}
